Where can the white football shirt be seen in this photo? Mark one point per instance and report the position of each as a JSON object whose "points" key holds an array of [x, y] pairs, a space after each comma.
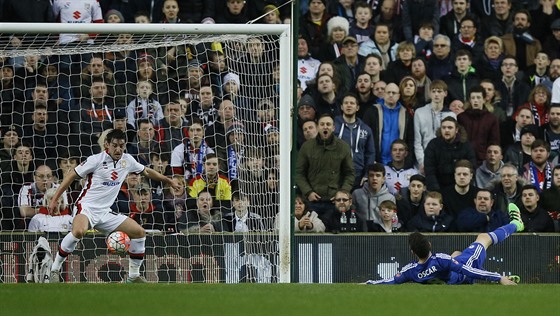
{"points": [[76, 11], [104, 178]]}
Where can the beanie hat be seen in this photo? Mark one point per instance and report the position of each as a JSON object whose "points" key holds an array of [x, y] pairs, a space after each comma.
{"points": [[307, 100], [338, 22], [231, 77], [114, 12], [531, 128], [418, 177]]}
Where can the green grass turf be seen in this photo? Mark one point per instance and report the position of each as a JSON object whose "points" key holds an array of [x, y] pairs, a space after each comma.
{"points": [[278, 299]]}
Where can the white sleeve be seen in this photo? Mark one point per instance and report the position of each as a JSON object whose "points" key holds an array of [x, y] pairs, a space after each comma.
{"points": [[96, 13], [556, 91], [177, 156], [159, 112], [88, 166], [23, 197], [130, 117], [418, 150]]}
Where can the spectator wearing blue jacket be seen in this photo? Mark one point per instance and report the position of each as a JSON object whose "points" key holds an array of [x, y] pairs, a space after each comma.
{"points": [[482, 218], [352, 130]]}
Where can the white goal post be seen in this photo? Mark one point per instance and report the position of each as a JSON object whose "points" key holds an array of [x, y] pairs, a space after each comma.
{"points": [[200, 33]]}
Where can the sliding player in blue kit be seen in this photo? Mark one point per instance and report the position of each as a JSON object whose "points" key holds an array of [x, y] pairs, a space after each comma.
{"points": [[459, 268]]}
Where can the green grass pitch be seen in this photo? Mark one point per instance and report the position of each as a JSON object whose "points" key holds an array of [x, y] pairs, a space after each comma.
{"points": [[278, 299]]}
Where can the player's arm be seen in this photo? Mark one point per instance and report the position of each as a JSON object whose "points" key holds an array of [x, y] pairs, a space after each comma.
{"points": [[399, 278], [154, 175], [68, 179], [384, 281]]}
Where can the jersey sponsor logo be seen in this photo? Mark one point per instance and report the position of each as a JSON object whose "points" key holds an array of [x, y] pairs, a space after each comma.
{"points": [[427, 272], [76, 14], [110, 183], [114, 175]]}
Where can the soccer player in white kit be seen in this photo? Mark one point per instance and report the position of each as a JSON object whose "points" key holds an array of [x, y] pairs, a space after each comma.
{"points": [[105, 172]]}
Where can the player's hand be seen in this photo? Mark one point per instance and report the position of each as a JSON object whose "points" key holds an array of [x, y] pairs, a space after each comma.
{"points": [[53, 206], [312, 197], [84, 37], [506, 281]]}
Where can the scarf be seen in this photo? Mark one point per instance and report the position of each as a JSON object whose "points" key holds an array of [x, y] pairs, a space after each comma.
{"points": [[466, 41], [232, 162], [194, 157], [539, 113], [534, 177]]}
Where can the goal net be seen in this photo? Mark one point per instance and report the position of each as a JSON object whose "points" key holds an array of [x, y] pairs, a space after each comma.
{"points": [[205, 104]]}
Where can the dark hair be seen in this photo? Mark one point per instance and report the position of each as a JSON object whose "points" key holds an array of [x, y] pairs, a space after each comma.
{"points": [[115, 134], [485, 190], [143, 121], [540, 143], [464, 163], [196, 120], [524, 11], [470, 18], [420, 245], [353, 95], [325, 115], [529, 187], [376, 56], [450, 119], [376, 167], [463, 52], [478, 89], [399, 141], [208, 156]]}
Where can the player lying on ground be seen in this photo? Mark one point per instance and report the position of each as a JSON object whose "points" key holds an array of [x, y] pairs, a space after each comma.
{"points": [[459, 268], [105, 172]]}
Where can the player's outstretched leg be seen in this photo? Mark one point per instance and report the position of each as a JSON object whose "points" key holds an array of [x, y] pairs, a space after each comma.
{"points": [[515, 225], [515, 217], [67, 245]]}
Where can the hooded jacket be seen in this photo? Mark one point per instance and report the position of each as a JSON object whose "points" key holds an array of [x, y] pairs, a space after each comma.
{"points": [[367, 202], [360, 140]]}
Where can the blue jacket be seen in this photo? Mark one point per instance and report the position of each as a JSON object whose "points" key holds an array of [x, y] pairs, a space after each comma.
{"points": [[471, 220], [360, 140]]}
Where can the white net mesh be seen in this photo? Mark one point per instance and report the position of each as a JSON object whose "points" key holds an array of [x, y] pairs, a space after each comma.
{"points": [[163, 91]]}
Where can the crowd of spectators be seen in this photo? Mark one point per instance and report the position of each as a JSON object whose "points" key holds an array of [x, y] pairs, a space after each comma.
{"points": [[446, 110], [412, 115]]}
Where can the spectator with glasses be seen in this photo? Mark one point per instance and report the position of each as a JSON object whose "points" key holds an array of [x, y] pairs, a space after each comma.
{"points": [[440, 63]]}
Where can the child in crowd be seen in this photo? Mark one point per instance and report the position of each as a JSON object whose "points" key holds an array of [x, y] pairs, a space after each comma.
{"points": [[145, 105], [361, 28], [390, 222], [242, 220]]}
